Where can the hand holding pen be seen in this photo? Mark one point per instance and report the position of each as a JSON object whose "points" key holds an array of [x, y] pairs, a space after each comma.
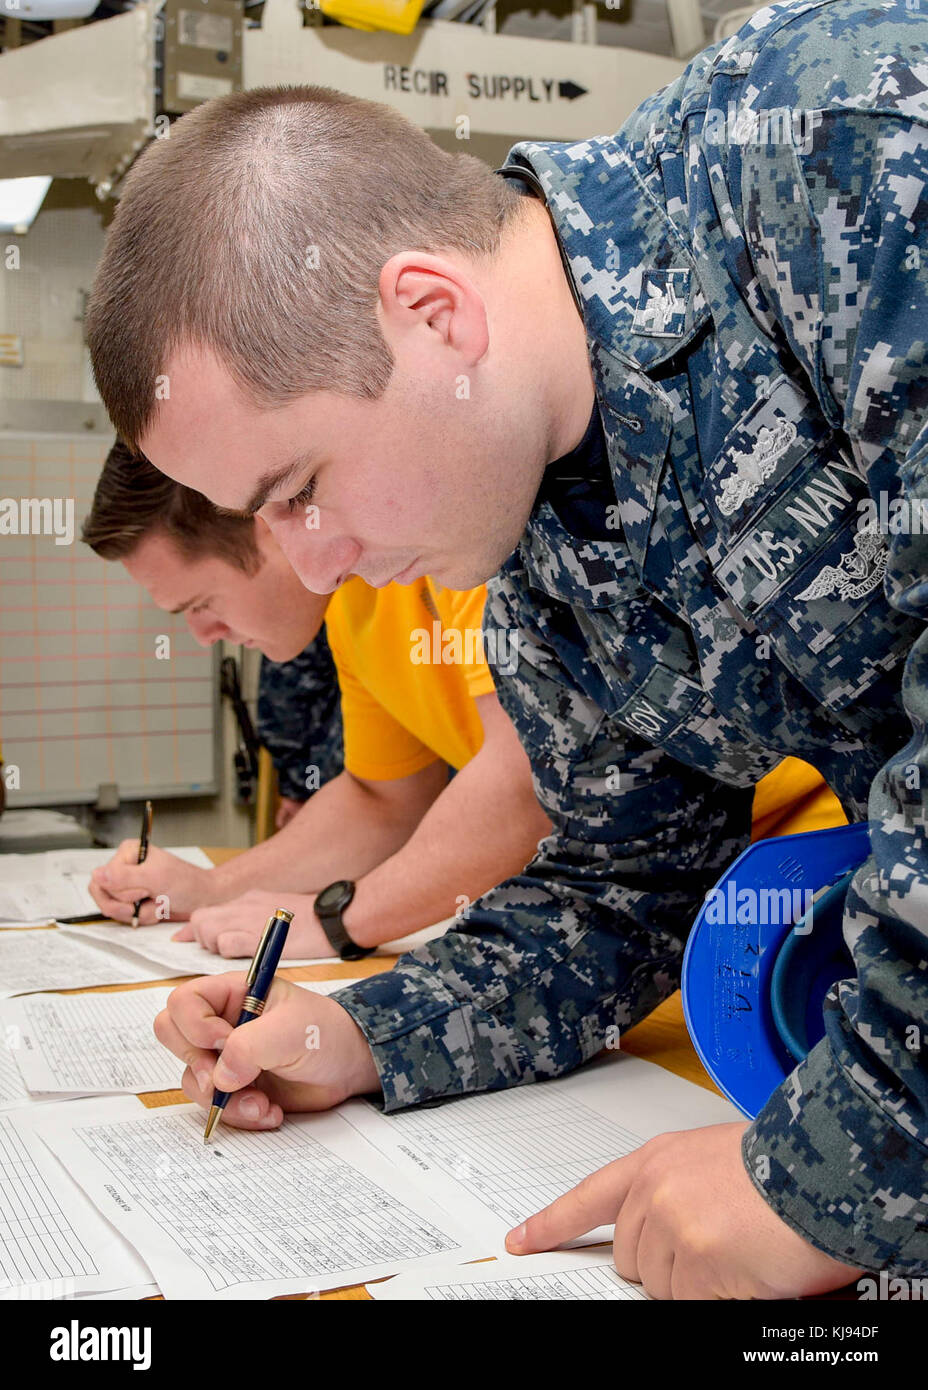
{"points": [[144, 842], [258, 983]]}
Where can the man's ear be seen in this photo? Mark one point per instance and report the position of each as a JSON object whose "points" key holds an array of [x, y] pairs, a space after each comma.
{"points": [[416, 286]]}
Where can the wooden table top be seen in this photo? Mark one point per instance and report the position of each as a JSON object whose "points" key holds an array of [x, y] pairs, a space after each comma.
{"points": [[661, 1038]]}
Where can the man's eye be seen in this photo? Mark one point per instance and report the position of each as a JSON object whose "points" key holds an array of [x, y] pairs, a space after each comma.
{"points": [[302, 498]]}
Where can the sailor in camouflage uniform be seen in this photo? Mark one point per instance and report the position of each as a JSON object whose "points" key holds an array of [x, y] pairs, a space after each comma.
{"points": [[701, 589], [754, 288], [300, 719]]}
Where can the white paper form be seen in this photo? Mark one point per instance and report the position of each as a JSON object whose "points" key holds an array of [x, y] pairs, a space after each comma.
{"points": [[38, 888], [322, 986], [190, 958], [12, 1087], [137, 1291], [13, 1092], [498, 1157], [52, 1241], [34, 902], [307, 1207], [154, 945], [53, 959], [15, 868], [34, 893], [91, 1044], [26, 894], [566, 1274]]}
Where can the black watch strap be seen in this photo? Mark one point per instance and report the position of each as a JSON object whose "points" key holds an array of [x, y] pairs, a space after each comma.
{"points": [[329, 906]]}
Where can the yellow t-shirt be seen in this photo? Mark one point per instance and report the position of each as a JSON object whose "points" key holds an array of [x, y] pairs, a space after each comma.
{"points": [[792, 798], [410, 665]]}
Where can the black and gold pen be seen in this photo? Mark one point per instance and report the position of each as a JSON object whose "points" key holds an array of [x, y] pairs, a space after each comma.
{"points": [[144, 841], [258, 983]]}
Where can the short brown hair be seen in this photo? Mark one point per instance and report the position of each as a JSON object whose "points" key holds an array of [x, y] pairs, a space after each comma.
{"points": [[258, 230], [133, 500]]}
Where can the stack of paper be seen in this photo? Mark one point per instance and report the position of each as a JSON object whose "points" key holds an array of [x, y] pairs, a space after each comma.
{"points": [[103, 1197], [253, 1214], [53, 1241], [337, 1197]]}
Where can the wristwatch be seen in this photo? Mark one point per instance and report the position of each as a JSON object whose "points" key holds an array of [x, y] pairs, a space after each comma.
{"points": [[329, 906]]}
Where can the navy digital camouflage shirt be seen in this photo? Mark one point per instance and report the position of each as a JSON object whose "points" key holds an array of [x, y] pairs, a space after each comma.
{"points": [[751, 255], [300, 719]]}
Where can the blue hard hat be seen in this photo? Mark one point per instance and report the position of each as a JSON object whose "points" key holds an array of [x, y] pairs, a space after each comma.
{"points": [[762, 955]]}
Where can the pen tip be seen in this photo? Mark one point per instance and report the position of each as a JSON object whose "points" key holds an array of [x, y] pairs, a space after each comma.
{"points": [[214, 1113]]}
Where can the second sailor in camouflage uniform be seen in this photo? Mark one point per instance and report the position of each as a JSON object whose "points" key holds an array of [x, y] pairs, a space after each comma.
{"points": [[300, 719]]}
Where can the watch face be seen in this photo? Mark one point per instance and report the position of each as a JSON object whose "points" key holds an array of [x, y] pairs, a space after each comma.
{"points": [[336, 896]]}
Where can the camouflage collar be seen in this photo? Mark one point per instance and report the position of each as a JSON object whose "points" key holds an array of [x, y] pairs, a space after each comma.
{"points": [[634, 273], [641, 303], [582, 573], [637, 420]]}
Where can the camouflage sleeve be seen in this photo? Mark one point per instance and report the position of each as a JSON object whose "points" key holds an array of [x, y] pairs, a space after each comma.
{"points": [[300, 721], [552, 965], [839, 236]]}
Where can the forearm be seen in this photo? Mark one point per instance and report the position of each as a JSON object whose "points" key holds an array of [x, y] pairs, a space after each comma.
{"points": [[542, 972], [344, 831], [484, 828], [587, 939]]}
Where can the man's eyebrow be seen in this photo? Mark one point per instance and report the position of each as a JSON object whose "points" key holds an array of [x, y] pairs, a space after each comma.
{"points": [[270, 483]]}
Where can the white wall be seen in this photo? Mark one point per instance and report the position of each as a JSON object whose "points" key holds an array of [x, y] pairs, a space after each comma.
{"points": [[43, 301]]}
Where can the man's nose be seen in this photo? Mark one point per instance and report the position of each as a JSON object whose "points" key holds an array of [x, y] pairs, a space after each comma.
{"points": [[318, 558], [205, 630]]}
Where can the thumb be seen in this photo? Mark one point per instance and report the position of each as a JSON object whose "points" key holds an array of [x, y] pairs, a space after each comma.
{"points": [[185, 933], [273, 1042], [593, 1202]]}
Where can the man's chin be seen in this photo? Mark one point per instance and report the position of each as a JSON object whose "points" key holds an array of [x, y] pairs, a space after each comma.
{"points": [[465, 574], [278, 654]]}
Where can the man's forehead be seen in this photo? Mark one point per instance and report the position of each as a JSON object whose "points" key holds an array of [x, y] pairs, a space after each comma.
{"points": [[203, 433], [172, 580], [206, 434], [222, 468]]}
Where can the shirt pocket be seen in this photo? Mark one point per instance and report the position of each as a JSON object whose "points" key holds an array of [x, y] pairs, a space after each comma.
{"points": [[780, 517], [649, 668]]}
